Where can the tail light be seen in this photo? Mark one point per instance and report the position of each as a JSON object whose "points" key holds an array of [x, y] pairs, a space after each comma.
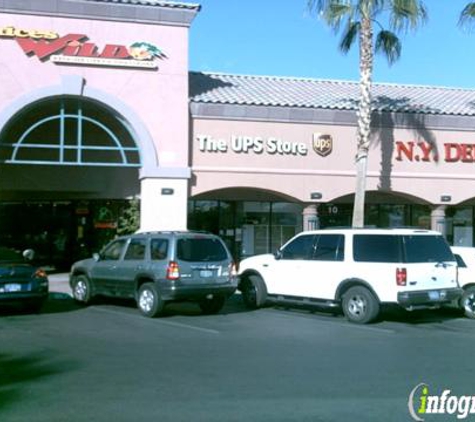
{"points": [[173, 271], [40, 273], [401, 276], [232, 270]]}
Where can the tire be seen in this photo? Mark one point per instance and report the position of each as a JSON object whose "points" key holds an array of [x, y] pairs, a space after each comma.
{"points": [[212, 306], [82, 290], [149, 301], [254, 292], [360, 305], [467, 302]]}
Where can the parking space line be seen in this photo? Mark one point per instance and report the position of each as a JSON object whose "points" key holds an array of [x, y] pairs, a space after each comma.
{"points": [[328, 322], [159, 321]]}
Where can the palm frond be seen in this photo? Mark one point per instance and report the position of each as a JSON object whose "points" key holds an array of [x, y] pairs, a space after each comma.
{"points": [[407, 14], [333, 12], [349, 36], [388, 44], [467, 16]]}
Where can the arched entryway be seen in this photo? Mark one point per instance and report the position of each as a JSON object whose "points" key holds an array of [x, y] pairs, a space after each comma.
{"points": [[69, 166]]}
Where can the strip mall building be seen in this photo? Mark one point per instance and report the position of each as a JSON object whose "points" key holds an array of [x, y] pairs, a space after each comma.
{"points": [[98, 106]]}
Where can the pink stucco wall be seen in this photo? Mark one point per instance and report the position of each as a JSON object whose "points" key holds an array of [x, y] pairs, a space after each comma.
{"points": [[158, 97]]}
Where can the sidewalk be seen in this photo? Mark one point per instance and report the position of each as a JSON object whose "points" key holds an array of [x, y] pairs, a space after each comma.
{"points": [[59, 283]]}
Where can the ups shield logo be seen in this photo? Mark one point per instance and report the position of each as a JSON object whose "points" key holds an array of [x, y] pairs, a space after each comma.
{"points": [[322, 144]]}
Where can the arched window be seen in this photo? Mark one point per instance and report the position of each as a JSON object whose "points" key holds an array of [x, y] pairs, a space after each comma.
{"points": [[68, 131]]}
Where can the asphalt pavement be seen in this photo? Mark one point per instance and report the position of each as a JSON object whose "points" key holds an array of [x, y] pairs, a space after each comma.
{"points": [[59, 283]]}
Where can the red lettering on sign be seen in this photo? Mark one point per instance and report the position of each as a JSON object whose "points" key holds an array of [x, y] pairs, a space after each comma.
{"points": [[43, 49], [406, 150], [426, 149], [452, 153], [115, 52]]}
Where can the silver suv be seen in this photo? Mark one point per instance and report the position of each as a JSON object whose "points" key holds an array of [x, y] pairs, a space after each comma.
{"points": [[159, 267]]}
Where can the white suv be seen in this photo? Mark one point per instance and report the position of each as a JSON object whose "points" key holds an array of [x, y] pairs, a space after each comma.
{"points": [[466, 266], [357, 269]]}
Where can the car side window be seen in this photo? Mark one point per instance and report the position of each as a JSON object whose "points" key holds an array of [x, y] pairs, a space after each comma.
{"points": [[299, 248], [114, 250], [376, 248], [158, 249], [329, 247], [136, 249]]}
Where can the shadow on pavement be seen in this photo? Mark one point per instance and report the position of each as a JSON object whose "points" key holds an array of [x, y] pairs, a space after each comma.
{"points": [[233, 305], [56, 303], [19, 373], [427, 316]]}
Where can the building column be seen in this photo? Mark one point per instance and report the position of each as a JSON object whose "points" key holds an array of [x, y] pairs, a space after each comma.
{"points": [[163, 204], [310, 217], [437, 219]]}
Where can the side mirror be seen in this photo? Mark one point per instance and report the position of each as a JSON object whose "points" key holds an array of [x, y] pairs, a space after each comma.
{"points": [[278, 254], [96, 257], [29, 254]]}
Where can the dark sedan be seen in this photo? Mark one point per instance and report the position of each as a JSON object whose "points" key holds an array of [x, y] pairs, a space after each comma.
{"points": [[21, 282]]}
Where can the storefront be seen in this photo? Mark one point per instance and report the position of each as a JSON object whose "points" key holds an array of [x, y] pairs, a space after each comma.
{"points": [[98, 110], [93, 113], [290, 143]]}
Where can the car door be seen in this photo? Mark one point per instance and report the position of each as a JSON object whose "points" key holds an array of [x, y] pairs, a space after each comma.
{"points": [[105, 270], [132, 264], [324, 270], [283, 274]]}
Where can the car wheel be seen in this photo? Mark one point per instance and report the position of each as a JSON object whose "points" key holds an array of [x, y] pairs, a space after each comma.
{"points": [[467, 302], [213, 305], [149, 301], [360, 305], [254, 292], [82, 291]]}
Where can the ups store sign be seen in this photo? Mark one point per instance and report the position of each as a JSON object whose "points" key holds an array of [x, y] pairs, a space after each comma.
{"points": [[322, 145]]}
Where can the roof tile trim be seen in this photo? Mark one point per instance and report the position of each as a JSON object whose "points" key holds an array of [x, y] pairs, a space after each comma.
{"points": [[228, 89], [171, 4]]}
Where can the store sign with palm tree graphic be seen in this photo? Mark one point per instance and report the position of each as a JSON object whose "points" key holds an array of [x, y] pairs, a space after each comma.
{"points": [[76, 49]]}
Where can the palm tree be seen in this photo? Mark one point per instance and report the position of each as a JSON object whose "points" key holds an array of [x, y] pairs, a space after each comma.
{"points": [[358, 18]]}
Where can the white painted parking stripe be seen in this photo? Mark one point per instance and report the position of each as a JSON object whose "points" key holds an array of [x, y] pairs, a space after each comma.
{"points": [[343, 324], [157, 320]]}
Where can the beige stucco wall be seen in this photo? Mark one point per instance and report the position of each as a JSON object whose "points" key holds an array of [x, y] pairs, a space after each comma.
{"points": [[393, 168]]}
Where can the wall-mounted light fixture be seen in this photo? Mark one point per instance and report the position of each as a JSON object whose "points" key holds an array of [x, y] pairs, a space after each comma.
{"points": [[167, 191], [445, 198], [316, 195]]}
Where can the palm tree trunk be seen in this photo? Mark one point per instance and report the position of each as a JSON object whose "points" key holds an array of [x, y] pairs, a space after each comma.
{"points": [[363, 119]]}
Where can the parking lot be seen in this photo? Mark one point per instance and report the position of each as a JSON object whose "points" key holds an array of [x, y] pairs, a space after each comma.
{"points": [[106, 362]]}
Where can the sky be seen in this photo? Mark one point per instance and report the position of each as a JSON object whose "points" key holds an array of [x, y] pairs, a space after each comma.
{"points": [[281, 38]]}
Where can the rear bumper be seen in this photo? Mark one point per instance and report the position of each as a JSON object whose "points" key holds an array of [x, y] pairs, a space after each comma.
{"points": [[196, 292], [428, 298]]}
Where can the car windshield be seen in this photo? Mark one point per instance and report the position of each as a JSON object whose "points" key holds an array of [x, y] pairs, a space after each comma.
{"points": [[8, 254], [201, 249]]}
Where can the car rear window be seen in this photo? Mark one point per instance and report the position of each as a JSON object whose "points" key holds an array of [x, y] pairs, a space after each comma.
{"points": [[427, 249], [201, 249]]}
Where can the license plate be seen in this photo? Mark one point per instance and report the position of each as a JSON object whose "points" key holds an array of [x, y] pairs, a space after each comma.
{"points": [[206, 273], [12, 288], [434, 295]]}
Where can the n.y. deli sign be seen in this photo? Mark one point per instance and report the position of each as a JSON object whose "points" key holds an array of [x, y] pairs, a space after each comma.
{"points": [[76, 49], [423, 151]]}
